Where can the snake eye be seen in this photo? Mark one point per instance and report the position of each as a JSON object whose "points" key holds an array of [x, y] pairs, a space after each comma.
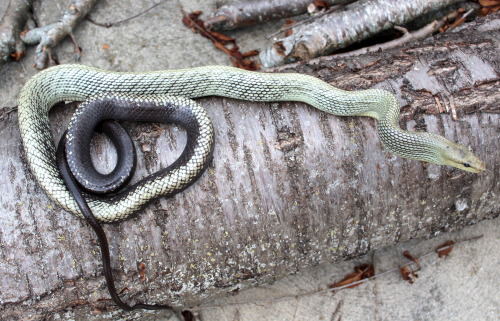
{"points": [[466, 165]]}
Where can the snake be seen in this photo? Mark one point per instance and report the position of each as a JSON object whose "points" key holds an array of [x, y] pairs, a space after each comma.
{"points": [[175, 89]]}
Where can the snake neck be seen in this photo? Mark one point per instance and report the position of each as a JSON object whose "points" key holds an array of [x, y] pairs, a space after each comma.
{"points": [[421, 146], [383, 106]]}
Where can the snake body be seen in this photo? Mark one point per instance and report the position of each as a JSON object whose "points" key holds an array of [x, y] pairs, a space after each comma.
{"points": [[77, 83]]}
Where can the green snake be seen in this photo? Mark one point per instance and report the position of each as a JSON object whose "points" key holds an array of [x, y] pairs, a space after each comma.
{"points": [[78, 83]]}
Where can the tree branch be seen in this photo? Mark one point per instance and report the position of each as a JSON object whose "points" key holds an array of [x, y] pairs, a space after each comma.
{"points": [[47, 37], [246, 13], [11, 26], [337, 30]]}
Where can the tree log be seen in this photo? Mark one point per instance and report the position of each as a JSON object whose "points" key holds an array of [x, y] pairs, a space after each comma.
{"points": [[289, 188], [359, 21], [246, 13]]}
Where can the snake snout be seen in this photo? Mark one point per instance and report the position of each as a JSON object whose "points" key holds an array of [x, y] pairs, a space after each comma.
{"points": [[462, 158]]}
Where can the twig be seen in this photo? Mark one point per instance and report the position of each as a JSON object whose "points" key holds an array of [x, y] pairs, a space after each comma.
{"points": [[460, 20], [316, 16], [77, 49], [338, 311], [47, 37], [4, 111], [288, 297], [112, 24], [407, 37]]}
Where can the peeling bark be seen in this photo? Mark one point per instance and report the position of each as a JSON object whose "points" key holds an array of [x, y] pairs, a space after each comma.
{"points": [[359, 21], [289, 188]]}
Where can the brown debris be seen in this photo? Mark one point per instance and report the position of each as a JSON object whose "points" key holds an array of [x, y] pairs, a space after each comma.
{"points": [[410, 257], [455, 19], [488, 6], [280, 49], [444, 249], [361, 272], [321, 5], [408, 274], [287, 27], [142, 271], [221, 41]]}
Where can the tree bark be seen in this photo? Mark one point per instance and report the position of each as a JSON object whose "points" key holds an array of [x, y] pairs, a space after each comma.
{"points": [[246, 13], [289, 188], [357, 22]]}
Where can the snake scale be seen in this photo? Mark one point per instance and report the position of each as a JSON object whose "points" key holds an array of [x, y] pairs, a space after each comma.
{"points": [[78, 83]]}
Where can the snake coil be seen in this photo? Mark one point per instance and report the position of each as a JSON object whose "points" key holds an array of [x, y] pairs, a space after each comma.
{"points": [[119, 90]]}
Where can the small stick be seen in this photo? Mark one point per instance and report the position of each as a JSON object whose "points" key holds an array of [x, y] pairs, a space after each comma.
{"points": [[338, 311], [407, 36], [111, 24]]}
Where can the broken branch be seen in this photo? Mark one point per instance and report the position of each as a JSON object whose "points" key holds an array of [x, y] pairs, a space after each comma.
{"points": [[338, 30], [48, 37], [11, 26]]}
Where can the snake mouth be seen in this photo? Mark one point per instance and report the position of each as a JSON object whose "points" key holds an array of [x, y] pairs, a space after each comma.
{"points": [[474, 167], [479, 168]]}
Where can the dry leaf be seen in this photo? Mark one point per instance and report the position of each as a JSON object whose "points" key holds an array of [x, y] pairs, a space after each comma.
{"points": [[410, 257], [447, 249], [280, 48], [407, 274], [142, 271], [17, 55], [361, 272], [221, 37], [220, 41], [250, 53], [459, 19], [288, 23], [488, 6]]}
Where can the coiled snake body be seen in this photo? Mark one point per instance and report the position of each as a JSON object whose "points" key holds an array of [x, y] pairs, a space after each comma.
{"points": [[150, 96], [77, 83]]}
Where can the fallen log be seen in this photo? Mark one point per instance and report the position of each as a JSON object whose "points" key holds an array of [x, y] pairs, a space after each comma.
{"points": [[358, 21], [289, 188]]}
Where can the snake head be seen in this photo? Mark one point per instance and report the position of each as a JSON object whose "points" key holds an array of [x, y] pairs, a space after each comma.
{"points": [[461, 157]]}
